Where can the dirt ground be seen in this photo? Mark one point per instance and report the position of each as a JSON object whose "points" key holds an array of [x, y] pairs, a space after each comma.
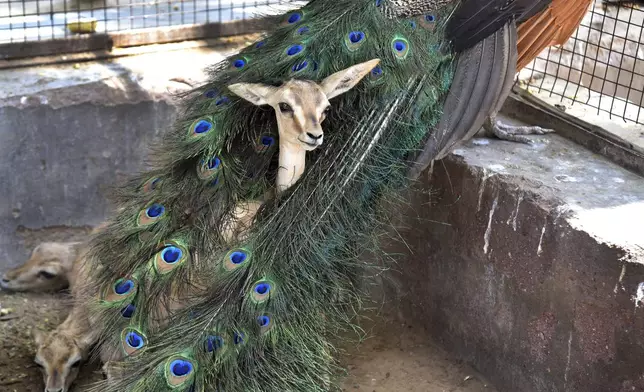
{"points": [[394, 358]]}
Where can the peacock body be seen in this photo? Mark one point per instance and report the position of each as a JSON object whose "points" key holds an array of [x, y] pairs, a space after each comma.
{"points": [[189, 310]]}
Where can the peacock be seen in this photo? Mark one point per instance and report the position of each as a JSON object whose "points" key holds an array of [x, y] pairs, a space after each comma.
{"points": [[234, 259]]}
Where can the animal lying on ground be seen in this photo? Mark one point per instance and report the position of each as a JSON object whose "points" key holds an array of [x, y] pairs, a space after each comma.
{"points": [[47, 269]]}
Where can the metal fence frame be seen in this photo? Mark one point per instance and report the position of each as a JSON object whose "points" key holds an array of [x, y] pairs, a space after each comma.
{"points": [[214, 23]]}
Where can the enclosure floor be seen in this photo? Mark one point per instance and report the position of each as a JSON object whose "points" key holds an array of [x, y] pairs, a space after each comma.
{"points": [[394, 357]]}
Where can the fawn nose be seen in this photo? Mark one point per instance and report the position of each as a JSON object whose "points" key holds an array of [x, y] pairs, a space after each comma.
{"points": [[313, 136], [54, 390]]}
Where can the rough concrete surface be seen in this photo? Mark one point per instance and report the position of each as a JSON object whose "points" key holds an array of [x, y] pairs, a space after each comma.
{"points": [[527, 261]]}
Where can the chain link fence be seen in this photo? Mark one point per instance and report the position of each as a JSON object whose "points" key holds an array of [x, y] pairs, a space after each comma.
{"points": [[599, 71]]}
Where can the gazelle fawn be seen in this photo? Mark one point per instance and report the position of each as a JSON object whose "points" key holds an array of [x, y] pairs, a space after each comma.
{"points": [[300, 106]]}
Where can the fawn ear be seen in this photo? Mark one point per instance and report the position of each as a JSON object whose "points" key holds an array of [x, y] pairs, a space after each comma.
{"points": [[255, 93], [343, 81]]}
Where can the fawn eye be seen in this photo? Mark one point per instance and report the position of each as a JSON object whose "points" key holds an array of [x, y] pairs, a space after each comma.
{"points": [[285, 108], [46, 275], [76, 364]]}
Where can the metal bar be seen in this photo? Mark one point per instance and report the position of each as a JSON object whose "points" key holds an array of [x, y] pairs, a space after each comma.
{"points": [[105, 42]]}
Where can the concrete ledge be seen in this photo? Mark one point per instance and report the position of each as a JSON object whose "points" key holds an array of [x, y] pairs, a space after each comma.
{"points": [[527, 262]]}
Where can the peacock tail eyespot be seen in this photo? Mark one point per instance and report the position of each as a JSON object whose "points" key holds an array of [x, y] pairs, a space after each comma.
{"points": [[260, 44], [299, 66], [265, 323], [170, 257], [354, 40], [121, 290], [222, 100], [293, 18], [235, 259], [128, 311], [378, 3], [151, 184], [211, 93], [400, 47], [412, 24], [376, 73], [214, 343], [239, 63], [171, 254], [133, 341], [208, 168], [427, 22], [303, 30], [239, 338], [261, 291], [179, 372], [200, 127], [294, 49], [151, 214], [264, 143]]}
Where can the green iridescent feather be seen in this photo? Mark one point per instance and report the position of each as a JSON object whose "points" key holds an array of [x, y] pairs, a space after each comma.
{"points": [[214, 158]]}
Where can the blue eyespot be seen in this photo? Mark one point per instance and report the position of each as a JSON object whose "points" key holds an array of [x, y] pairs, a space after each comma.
{"points": [[294, 18], [262, 288], [180, 368], [356, 36], [214, 343], [128, 311], [239, 63], [155, 210], [294, 49], [237, 257], [123, 287], [211, 93], [260, 44], [430, 18], [171, 254], [213, 163], [303, 30], [263, 321], [134, 340], [203, 126]]}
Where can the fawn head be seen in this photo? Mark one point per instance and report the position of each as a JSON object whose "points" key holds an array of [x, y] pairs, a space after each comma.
{"points": [[302, 105], [59, 357], [46, 269]]}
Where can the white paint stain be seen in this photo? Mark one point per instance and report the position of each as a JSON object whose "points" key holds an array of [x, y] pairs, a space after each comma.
{"points": [[497, 167], [618, 180], [486, 175], [619, 284], [639, 296], [513, 217], [568, 361], [543, 231], [488, 231]]}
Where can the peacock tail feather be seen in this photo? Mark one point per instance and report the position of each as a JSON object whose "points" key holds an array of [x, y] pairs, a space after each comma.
{"points": [[189, 311]]}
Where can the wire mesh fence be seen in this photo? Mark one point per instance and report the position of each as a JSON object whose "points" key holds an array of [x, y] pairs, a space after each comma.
{"points": [[600, 68], [39, 20]]}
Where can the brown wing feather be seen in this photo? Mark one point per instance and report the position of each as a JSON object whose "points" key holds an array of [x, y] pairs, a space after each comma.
{"points": [[552, 26]]}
